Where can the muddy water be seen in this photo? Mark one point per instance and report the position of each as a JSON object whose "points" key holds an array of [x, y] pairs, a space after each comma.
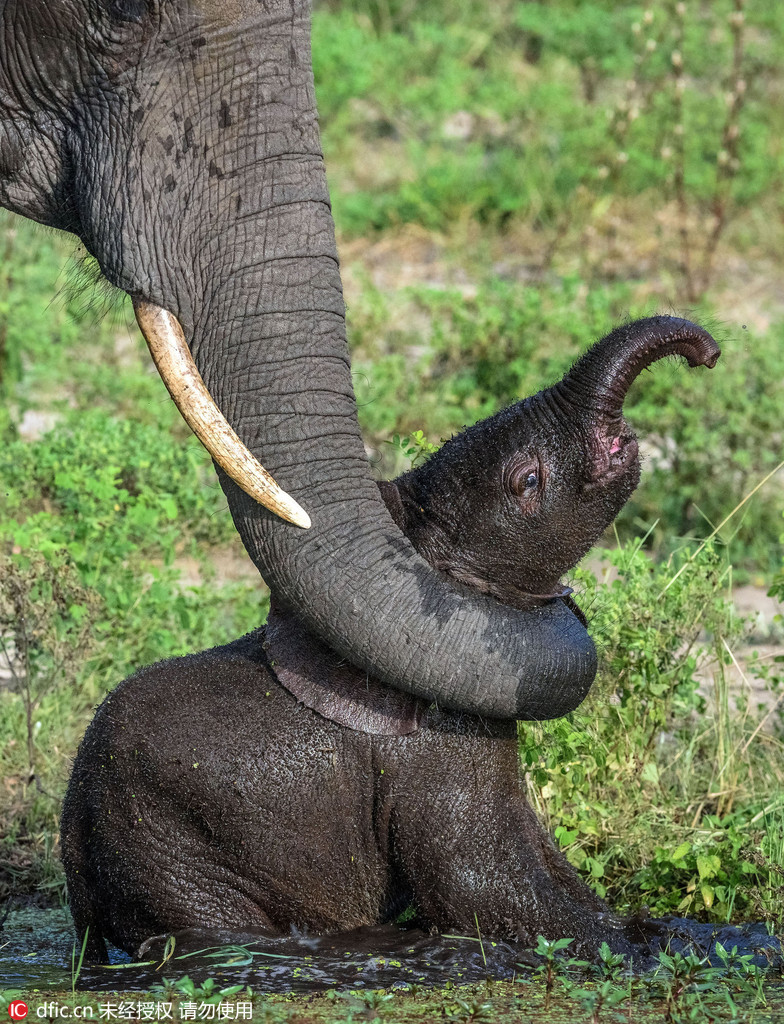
{"points": [[36, 949]]}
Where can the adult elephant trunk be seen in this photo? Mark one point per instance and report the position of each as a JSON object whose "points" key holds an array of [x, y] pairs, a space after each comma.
{"points": [[269, 341], [214, 207]]}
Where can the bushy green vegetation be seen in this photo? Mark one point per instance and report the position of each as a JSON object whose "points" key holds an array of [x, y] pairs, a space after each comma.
{"points": [[661, 787], [510, 181], [94, 515]]}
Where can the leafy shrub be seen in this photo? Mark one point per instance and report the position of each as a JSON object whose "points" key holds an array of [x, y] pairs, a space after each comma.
{"points": [[92, 518], [115, 499], [644, 759], [97, 484]]}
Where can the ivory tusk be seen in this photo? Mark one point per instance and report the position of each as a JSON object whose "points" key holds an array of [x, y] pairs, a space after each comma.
{"points": [[172, 357]]}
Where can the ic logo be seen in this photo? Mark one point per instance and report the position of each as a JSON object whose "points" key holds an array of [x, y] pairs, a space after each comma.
{"points": [[17, 1010]]}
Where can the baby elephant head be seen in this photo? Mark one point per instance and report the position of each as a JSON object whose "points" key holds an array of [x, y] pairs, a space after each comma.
{"points": [[515, 501]]}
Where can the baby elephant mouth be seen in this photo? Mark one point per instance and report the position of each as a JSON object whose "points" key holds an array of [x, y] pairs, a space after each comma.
{"points": [[616, 453], [622, 452]]}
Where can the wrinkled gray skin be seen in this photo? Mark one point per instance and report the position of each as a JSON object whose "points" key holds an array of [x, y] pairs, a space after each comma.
{"points": [[178, 139], [205, 796]]}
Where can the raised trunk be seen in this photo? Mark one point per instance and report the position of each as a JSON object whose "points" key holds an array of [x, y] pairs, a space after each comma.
{"points": [[601, 378]]}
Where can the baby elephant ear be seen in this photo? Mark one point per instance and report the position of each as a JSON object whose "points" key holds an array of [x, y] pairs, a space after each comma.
{"points": [[393, 502], [324, 681]]}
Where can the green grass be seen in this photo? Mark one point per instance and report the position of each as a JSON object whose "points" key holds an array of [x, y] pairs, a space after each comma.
{"points": [[545, 114]]}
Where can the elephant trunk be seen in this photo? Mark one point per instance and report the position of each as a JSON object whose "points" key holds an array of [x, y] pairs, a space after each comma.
{"points": [[271, 348], [254, 281], [600, 380]]}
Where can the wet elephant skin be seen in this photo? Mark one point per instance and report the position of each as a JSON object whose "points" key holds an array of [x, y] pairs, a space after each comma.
{"points": [[240, 809]]}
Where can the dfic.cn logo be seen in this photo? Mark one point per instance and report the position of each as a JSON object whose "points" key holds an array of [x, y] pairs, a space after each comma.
{"points": [[17, 1010]]}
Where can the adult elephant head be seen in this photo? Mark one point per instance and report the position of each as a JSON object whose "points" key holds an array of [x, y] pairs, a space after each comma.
{"points": [[178, 139]]}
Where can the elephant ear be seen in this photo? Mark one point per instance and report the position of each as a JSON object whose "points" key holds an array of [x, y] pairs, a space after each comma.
{"points": [[324, 681], [394, 502]]}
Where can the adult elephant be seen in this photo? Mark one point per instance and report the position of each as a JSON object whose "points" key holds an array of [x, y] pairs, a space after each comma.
{"points": [[178, 139]]}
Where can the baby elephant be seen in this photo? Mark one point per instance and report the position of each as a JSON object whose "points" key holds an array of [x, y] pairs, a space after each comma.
{"points": [[268, 784]]}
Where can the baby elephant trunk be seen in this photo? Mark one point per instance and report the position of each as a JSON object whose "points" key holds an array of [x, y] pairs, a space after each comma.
{"points": [[600, 380]]}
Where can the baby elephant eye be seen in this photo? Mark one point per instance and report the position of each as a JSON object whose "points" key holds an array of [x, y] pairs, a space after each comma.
{"points": [[523, 481]]}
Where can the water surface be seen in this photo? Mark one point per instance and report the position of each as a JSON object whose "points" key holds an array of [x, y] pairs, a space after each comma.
{"points": [[36, 948]]}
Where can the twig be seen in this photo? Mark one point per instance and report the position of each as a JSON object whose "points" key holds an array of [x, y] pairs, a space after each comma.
{"points": [[481, 944]]}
